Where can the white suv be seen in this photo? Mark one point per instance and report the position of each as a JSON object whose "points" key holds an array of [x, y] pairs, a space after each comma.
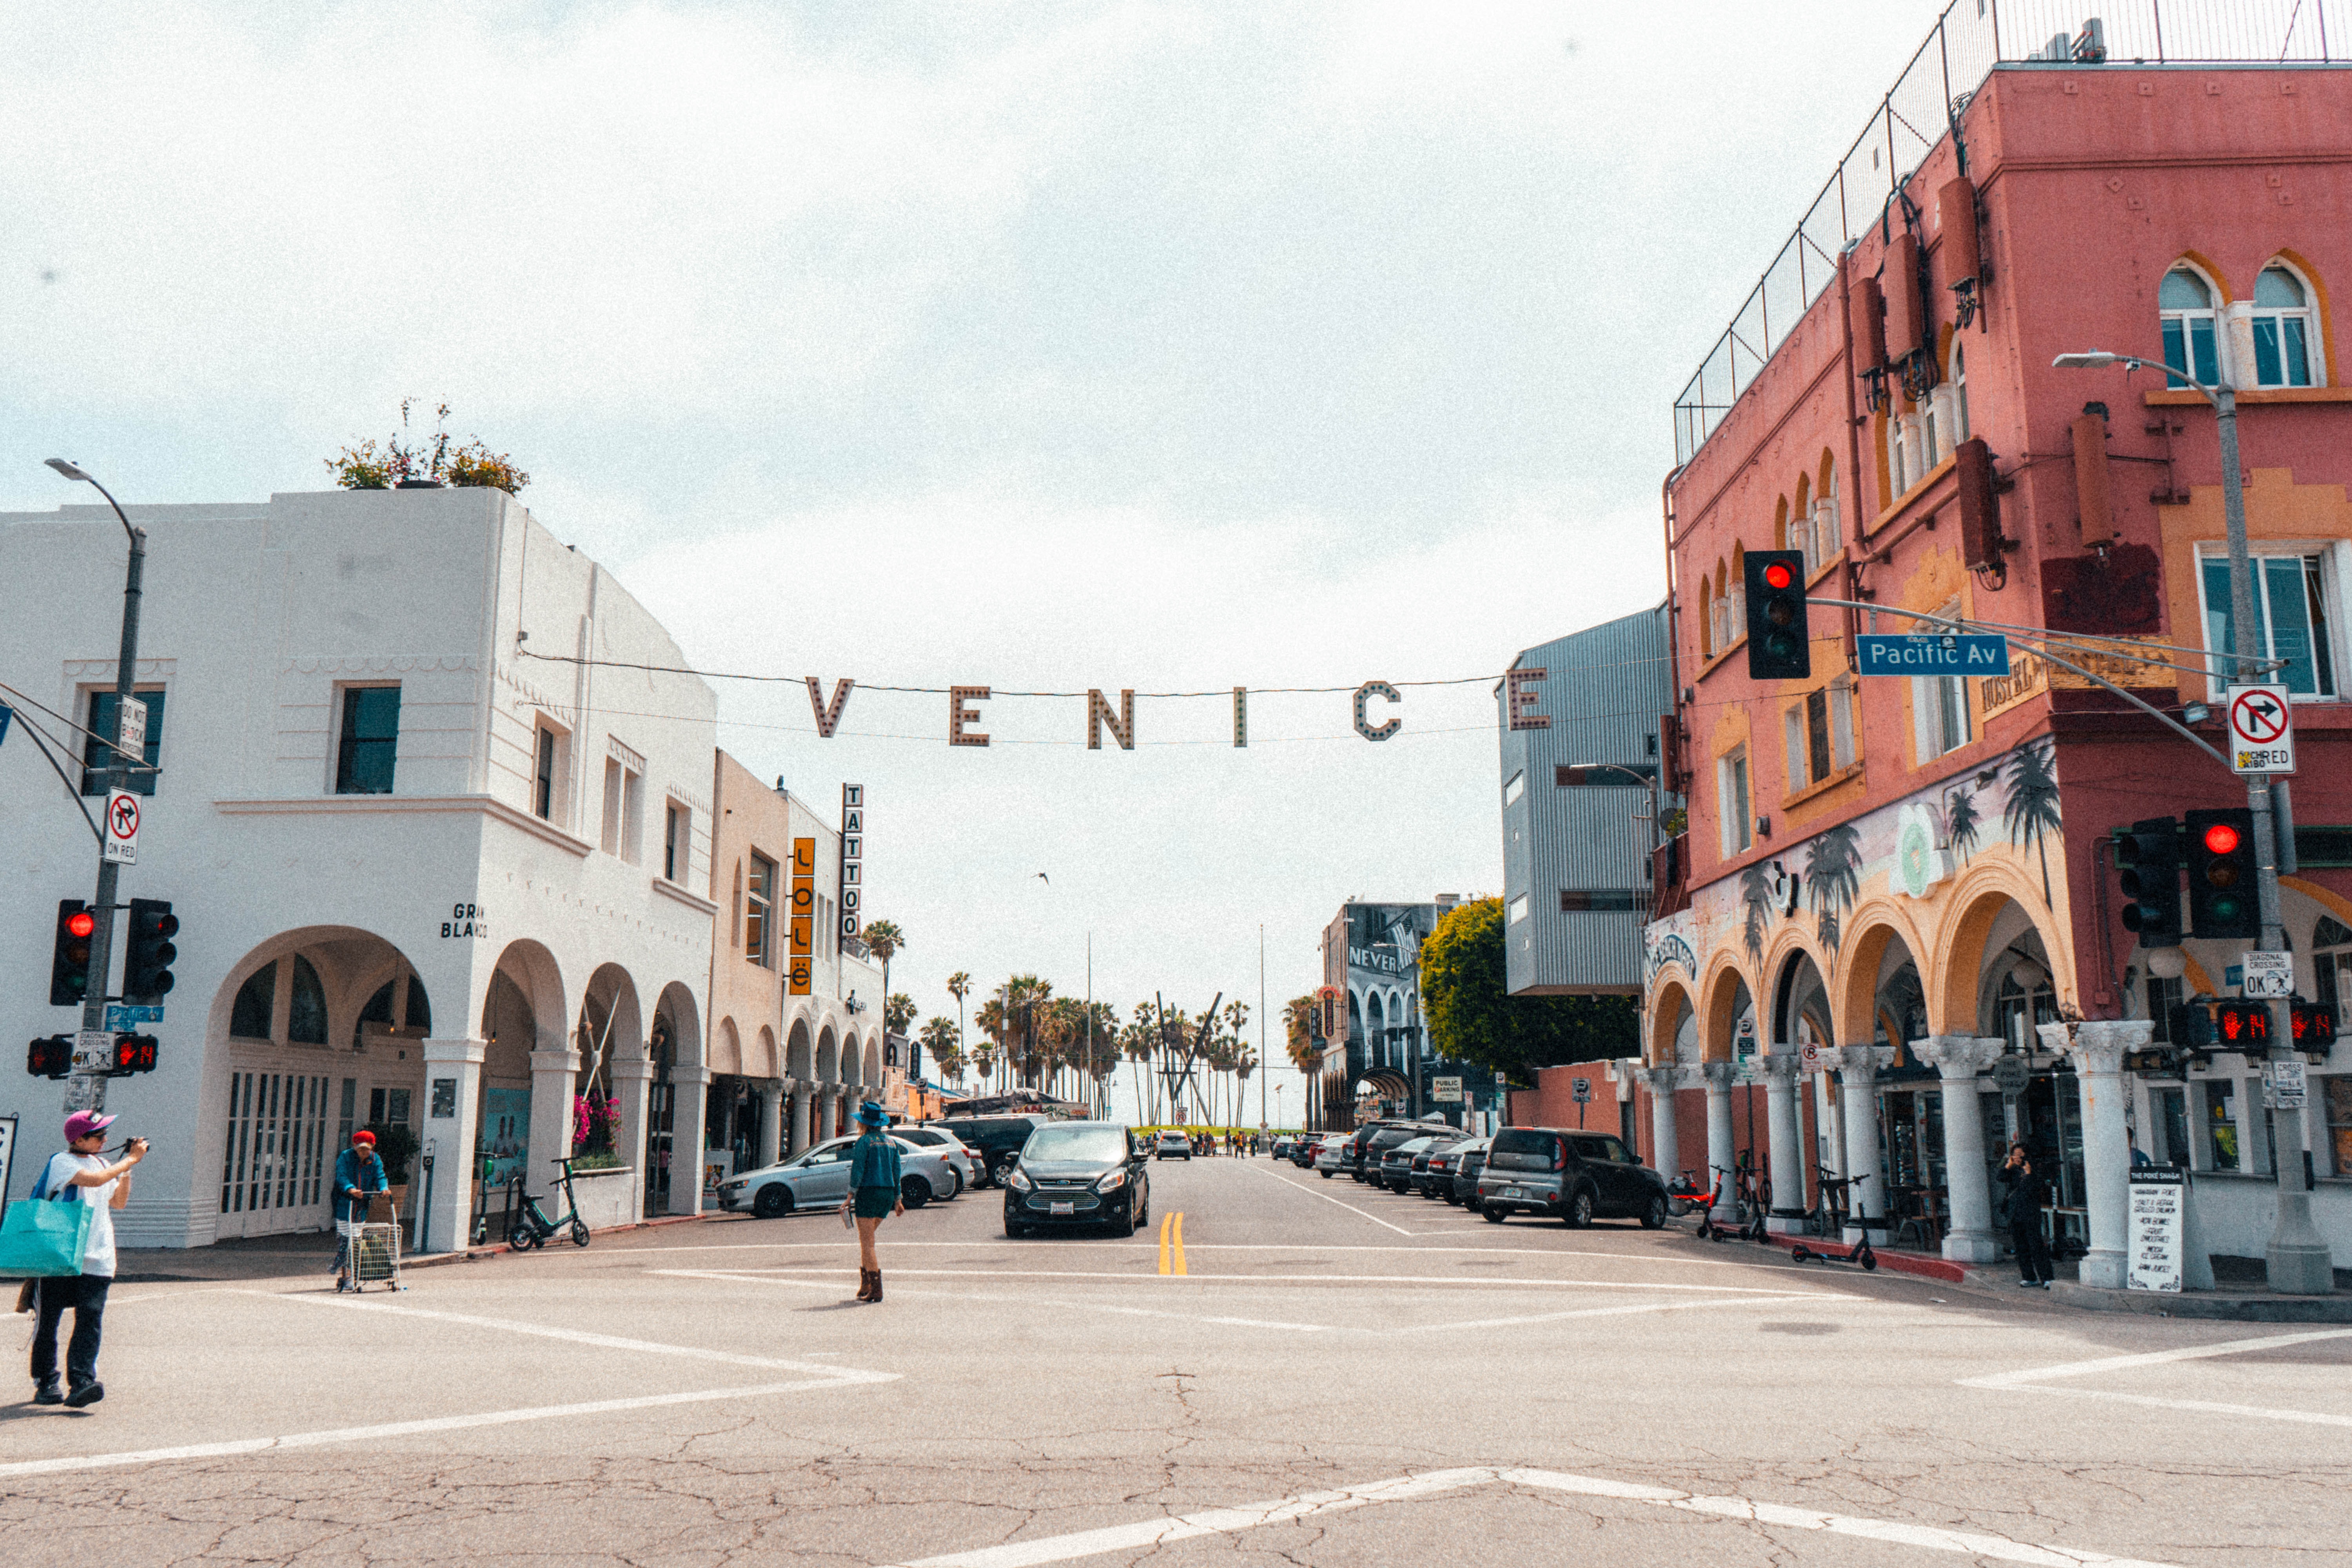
{"points": [[961, 1162], [1171, 1144]]}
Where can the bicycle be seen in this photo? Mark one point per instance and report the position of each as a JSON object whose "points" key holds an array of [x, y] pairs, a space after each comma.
{"points": [[531, 1228]]}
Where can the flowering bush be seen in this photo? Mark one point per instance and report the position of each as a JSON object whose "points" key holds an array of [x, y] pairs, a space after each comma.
{"points": [[439, 459], [593, 1118]]}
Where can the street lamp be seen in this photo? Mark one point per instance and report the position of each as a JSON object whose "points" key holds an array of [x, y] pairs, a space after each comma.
{"points": [[2298, 1258], [85, 1091]]}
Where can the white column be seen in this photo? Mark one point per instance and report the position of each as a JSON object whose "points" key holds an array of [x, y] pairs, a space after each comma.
{"points": [[1784, 1133], [2098, 1050], [1665, 1148], [453, 1095], [690, 1086], [630, 1077], [801, 1094], [551, 1074], [1959, 1059], [771, 1121], [1866, 1198], [1720, 1178]]}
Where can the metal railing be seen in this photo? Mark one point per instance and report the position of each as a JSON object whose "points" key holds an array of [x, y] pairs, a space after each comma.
{"points": [[1967, 40]]}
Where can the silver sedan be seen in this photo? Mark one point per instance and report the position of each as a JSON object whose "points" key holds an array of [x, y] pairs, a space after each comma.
{"points": [[818, 1177]]}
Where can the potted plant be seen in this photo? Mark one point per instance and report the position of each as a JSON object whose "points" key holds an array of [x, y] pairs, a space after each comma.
{"points": [[432, 463]]}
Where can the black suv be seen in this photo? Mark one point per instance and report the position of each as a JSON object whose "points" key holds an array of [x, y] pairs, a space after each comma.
{"points": [[1073, 1173], [1374, 1140], [1577, 1176], [997, 1140]]}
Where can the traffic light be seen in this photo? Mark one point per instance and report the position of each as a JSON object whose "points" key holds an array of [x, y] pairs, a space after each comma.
{"points": [[2314, 1025], [1778, 645], [133, 1053], [2221, 900], [149, 954], [2239, 1025], [69, 962], [52, 1057], [2148, 856]]}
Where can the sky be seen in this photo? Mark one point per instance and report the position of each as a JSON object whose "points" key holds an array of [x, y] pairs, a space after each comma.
{"points": [[1040, 346]]}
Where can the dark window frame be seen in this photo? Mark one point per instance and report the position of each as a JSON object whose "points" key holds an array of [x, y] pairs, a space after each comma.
{"points": [[359, 755], [97, 755]]}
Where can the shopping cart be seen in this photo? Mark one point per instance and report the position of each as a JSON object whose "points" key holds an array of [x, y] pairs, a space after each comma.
{"points": [[376, 1250]]}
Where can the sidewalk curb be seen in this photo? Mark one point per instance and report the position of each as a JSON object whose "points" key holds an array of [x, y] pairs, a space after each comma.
{"points": [[2250, 1308], [473, 1254]]}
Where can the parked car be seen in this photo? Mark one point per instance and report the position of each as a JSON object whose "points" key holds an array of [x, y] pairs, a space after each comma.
{"points": [[1396, 1162], [1574, 1176], [1073, 1173], [818, 1177], [1304, 1152], [997, 1140], [1372, 1143], [1432, 1172], [1172, 1145], [1469, 1159], [1334, 1155], [964, 1162], [1281, 1147]]}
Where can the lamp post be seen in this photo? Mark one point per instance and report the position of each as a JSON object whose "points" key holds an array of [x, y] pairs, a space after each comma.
{"points": [[87, 1090], [2298, 1258]]}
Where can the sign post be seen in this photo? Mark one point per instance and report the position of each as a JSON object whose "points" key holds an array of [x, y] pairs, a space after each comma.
{"points": [[1582, 1087], [2262, 730], [2009, 1076], [2155, 1228]]}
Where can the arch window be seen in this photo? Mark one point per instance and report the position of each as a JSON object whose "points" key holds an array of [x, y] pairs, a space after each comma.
{"points": [[306, 1012], [1898, 469], [2185, 304], [249, 1015], [1827, 536], [1957, 379], [2285, 332]]}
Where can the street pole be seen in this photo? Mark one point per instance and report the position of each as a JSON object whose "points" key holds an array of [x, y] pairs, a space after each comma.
{"points": [[2298, 1258], [86, 1091], [1263, 1070]]}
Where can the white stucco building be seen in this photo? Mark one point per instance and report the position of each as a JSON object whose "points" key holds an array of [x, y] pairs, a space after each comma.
{"points": [[424, 876]]}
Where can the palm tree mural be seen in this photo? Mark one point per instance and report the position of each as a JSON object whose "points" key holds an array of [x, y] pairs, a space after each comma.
{"points": [[1755, 897], [1958, 819], [2031, 812], [1833, 878]]}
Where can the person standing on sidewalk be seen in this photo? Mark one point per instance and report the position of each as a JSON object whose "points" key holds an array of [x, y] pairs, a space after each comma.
{"points": [[874, 1194], [105, 1186], [358, 1174], [2028, 1191]]}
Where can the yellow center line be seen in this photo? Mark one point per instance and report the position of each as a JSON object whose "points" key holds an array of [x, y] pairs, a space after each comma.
{"points": [[1179, 1236]]}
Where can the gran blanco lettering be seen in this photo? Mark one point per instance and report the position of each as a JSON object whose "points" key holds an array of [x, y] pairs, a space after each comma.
{"points": [[465, 920]]}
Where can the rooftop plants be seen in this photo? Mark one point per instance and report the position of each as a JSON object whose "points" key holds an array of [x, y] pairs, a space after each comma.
{"points": [[437, 459]]}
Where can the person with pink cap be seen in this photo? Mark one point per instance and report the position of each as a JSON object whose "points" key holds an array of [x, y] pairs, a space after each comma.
{"points": [[82, 1171]]}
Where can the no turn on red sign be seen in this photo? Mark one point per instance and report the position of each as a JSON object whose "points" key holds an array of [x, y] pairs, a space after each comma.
{"points": [[2262, 730], [121, 827]]}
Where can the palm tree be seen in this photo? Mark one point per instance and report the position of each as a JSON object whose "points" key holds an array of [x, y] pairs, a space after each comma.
{"points": [[946, 1047], [886, 939], [2032, 810], [959, 988]]}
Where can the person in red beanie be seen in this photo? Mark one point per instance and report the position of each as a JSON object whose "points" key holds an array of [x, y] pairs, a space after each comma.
{"points": [[358, 1173]]}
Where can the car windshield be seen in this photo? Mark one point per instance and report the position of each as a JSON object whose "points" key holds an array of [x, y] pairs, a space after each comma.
{"points": [[1101, 1144]]}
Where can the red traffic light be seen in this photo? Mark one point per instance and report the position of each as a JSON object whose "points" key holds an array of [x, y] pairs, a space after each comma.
{"points": [[2220, 838], [81, 922], [1777, 575]]}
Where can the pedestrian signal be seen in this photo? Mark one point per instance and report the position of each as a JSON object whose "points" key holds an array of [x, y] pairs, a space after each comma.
{"points": [[69, 960], [134, 1053], [148, 958], [2314, 1025], [2147, 857], [51, 1057], [1777, 648], [2222, 892]]}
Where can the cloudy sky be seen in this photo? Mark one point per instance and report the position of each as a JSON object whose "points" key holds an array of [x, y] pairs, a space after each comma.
{"points": [[1036, 346]]}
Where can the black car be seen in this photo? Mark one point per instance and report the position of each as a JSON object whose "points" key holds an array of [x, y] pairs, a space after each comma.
{"points": [[997, 1140], [1373, 1140], [1469, 1159], [1432, 1172], [1078, 1173], [1396, 1162], [1575, 1177]]}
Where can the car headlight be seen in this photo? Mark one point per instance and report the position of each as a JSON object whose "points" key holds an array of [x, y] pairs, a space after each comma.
{"points": [[1017, 1182], [1112, 1183]]}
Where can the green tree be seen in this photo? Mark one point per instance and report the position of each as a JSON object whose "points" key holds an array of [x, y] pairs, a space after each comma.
{"points": [[1473, 1017], [960, 987], [898, 1013], [942, 1038]]}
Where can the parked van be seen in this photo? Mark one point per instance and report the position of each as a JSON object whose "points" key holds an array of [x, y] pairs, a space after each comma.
{"points": [[1577, 1177]]}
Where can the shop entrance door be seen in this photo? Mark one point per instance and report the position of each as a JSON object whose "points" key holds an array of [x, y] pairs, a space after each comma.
{"points": [[275, 1166]]}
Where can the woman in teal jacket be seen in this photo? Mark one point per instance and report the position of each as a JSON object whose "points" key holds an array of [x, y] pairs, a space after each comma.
{"points": [[872, 1194]]}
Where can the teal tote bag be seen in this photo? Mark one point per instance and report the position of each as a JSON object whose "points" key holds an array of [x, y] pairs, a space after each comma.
{"points": [[43, 1239]]}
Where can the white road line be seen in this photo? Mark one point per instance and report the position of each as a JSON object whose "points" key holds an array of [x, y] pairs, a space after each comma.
{"points": [[1328, 1198], [1585, 1312], [1161, 1281], [2152, 1358], [755, 1277], [607, 1342], [2033, 1379], [1148, 1533], [410, 1428]]}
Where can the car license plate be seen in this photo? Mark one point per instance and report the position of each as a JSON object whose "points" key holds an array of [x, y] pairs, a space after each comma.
{"points": [[1513, 1192], [1062, 1209]]}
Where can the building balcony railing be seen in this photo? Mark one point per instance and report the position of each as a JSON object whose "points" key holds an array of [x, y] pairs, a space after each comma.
{"points": [[1967, 40]]}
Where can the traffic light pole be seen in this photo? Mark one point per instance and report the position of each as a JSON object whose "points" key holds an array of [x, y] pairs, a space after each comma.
{"points": [[86, 1091]]}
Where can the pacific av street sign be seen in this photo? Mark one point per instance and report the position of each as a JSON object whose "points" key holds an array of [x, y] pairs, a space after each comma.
{"points": [[1956, 653]]}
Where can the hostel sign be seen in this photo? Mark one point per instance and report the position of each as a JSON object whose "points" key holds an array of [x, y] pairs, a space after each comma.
{"points": [[1949, 653]]}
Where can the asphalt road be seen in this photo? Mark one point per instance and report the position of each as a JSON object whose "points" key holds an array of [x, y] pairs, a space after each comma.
{"points": [[1296, 1370]]}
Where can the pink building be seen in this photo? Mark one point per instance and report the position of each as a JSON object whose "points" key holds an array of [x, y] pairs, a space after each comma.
{"points": [[1888, 882]]}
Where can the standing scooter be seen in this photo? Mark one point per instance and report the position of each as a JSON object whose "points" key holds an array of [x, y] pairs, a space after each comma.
{"points": [[531, 1226]]}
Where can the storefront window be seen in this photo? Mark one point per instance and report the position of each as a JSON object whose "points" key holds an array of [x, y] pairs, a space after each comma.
{"points": [[2171, 1115], [2220, 1123], [2337, 1101]]}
